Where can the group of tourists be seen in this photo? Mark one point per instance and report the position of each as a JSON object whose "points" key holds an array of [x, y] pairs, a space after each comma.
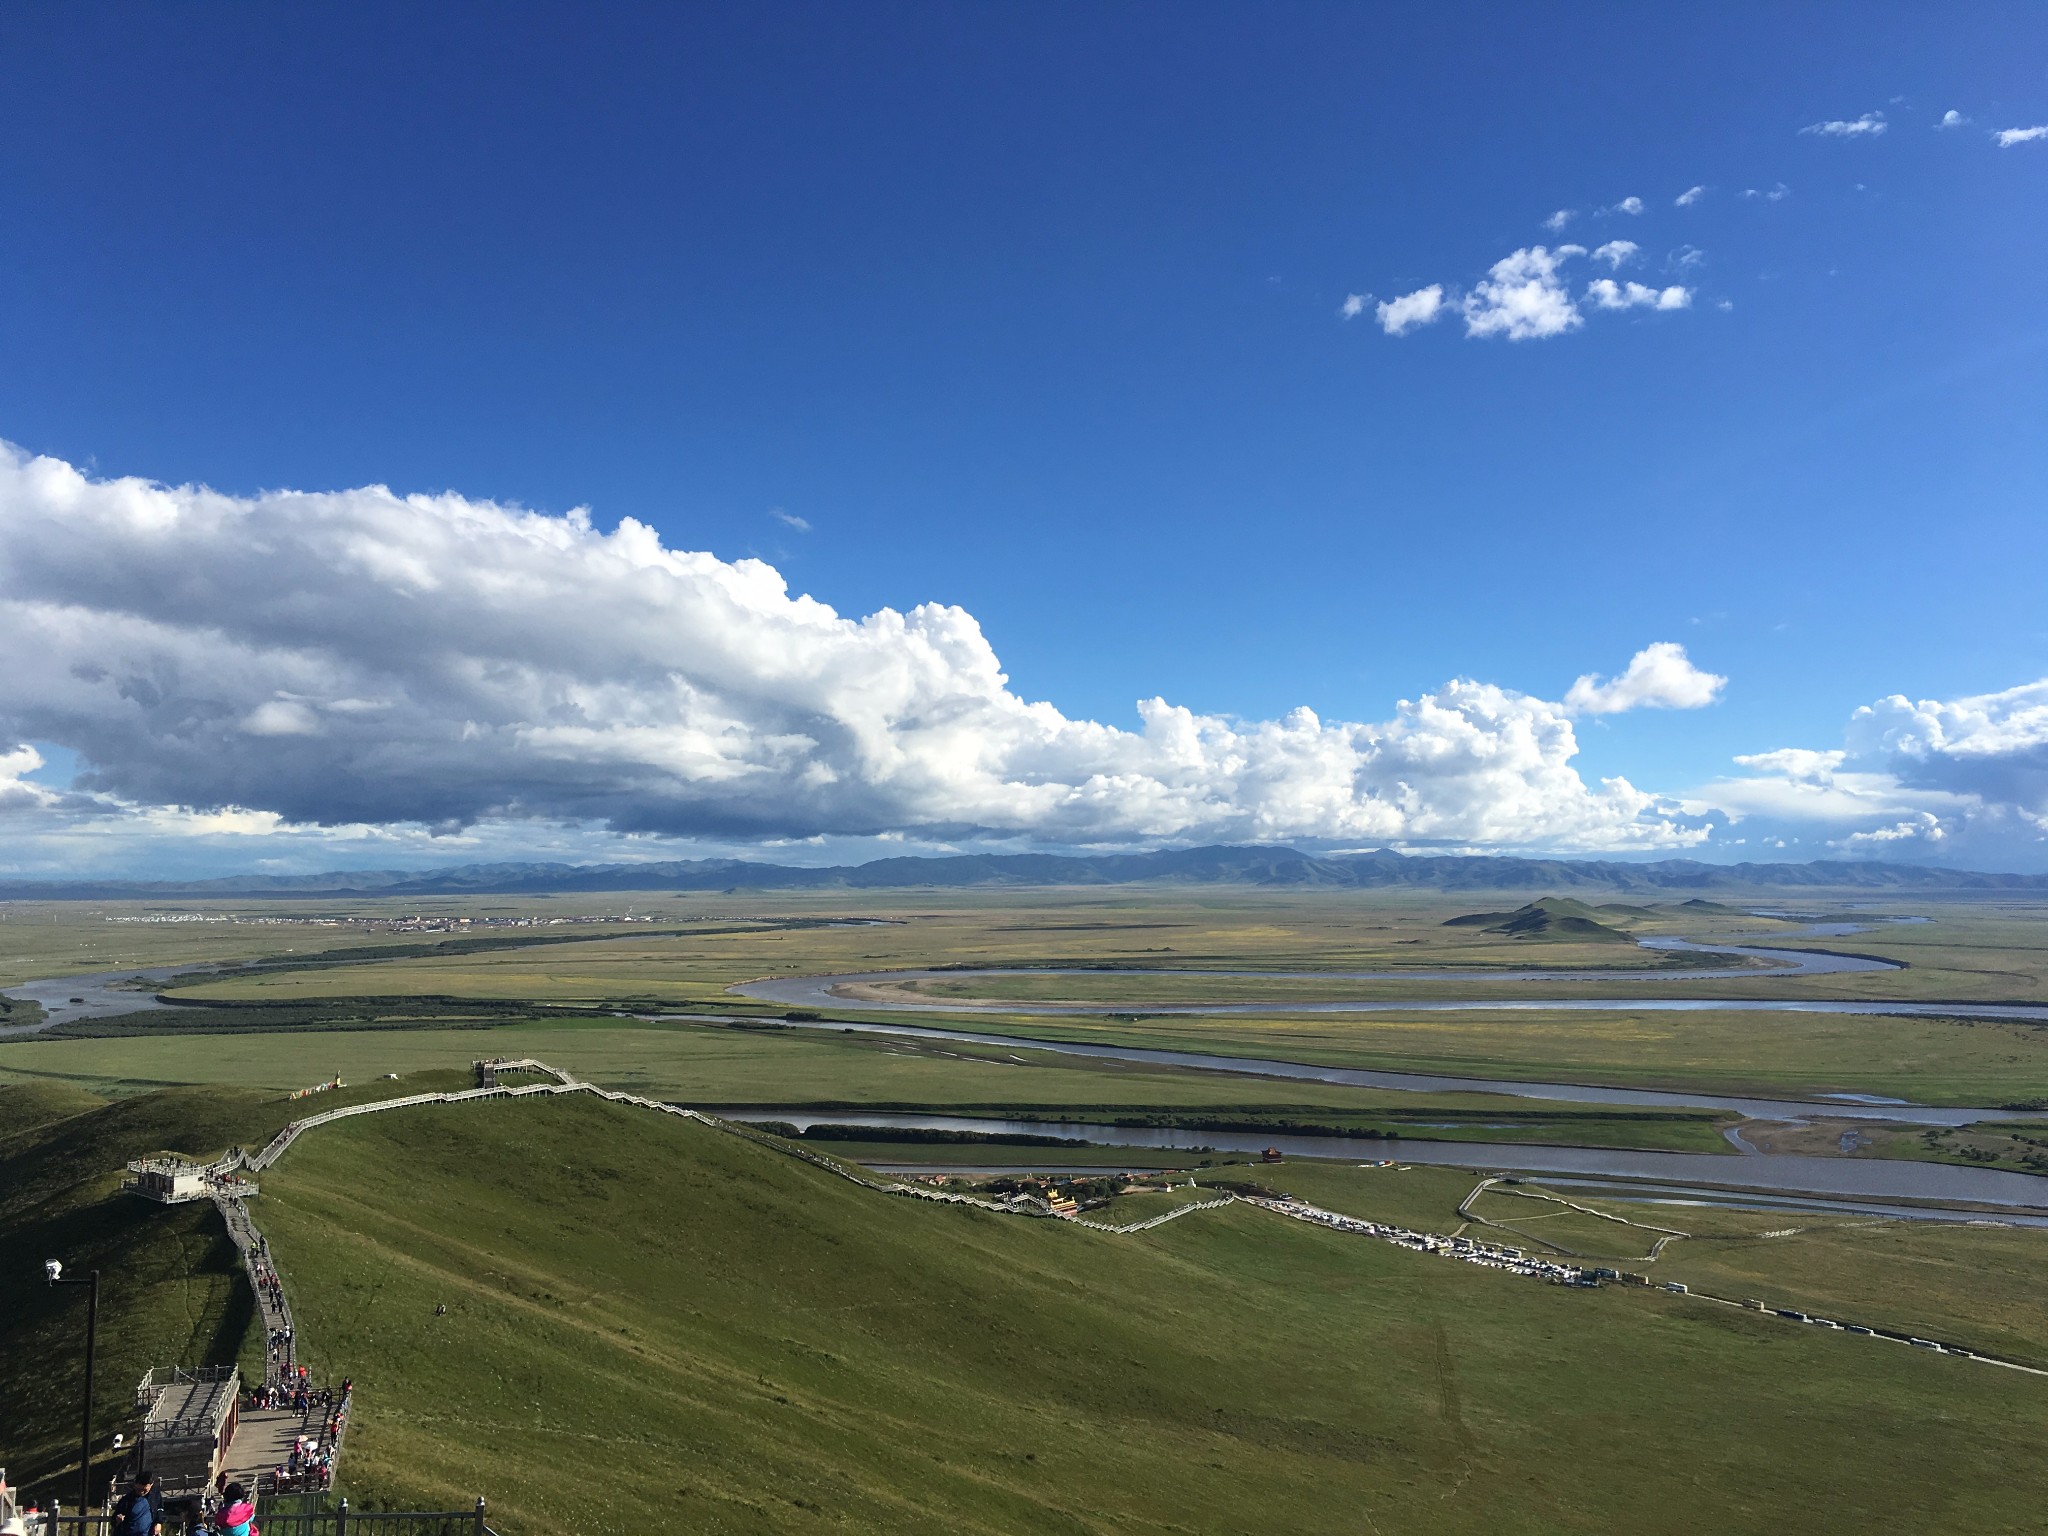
{"points": [[309, 1466], [280, 1351], [228, 1509], [292, 1393], [266, 1280]]}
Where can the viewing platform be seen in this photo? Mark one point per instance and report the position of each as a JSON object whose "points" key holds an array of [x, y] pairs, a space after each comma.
{"points": [[173, 1181], [189, 1418]]}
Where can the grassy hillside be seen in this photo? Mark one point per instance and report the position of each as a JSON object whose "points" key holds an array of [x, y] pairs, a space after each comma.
{"points": [[169, 1287], [655, 1325], [171, 1291]]}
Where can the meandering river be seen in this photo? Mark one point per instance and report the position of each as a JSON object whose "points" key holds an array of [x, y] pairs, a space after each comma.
{"points": [[114, 992], [815, 993]]}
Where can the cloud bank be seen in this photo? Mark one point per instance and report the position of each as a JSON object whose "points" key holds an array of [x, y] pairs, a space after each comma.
{"points": [[365, 659], [1965, 778]]}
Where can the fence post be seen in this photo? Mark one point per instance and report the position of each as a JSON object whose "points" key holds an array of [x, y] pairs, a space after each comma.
{"points": [[480, 1526], [341, 1518]]}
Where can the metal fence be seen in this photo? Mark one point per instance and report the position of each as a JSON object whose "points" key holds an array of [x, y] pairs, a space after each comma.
{"points": [[281, 1520], [308, 1521]]}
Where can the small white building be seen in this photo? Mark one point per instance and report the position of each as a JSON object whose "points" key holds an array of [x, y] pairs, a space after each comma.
{"points": [[172, 1181]]}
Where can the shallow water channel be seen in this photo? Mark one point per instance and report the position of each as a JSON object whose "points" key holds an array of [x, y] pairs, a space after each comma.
{"points": [[1783, 1174], [817, 993], [100, 995], [1834, 1107]]}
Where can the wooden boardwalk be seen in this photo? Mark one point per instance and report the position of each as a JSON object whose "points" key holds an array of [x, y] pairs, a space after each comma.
{"points": [[264, 1437], [280, 1361]]}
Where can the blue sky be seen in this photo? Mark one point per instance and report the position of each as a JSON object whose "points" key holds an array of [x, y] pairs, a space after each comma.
{"points": [[1039, 312]]}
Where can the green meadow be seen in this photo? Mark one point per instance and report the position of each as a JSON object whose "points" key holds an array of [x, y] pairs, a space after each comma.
{"points": [[754, 1347], [649, 1321], [713, 1065]]}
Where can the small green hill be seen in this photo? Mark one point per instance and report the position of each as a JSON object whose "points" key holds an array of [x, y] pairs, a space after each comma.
{"points": [[1558, 918]]}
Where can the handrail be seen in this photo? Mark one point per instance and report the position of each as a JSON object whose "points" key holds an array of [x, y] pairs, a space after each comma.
{"points": [[332, 1522]]}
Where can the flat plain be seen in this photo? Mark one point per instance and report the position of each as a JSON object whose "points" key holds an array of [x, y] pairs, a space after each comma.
{"points": [[1966, 951]]}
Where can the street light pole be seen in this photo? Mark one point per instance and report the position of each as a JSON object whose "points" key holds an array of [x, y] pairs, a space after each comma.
{"points": [[55, 1272]]}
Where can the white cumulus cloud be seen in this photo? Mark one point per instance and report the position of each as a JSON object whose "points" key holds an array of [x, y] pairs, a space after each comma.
{"points": [[1353, 306], [1399, 316], [244, 666], [2007, 137], [1628, 205], [1558, 220], [1776, 194], [1925, 828], [1689, 196], [1606, 293], [1525, 296], [1659, 676], [16, 792], [1952, 119], [1522, 296], [1868, 126]]}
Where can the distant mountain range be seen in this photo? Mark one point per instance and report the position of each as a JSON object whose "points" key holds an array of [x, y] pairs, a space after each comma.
{"points": [[1253, 866]]}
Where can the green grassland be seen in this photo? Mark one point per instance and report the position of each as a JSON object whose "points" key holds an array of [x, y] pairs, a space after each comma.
{"points": [[1969, 951], [713, 1065], [1982, 950], [1145, 1204], [654, 1324], [1979, 1285], [651, 1323]]}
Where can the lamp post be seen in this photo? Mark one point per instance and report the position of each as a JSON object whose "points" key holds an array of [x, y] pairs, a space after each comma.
{"points": [[54, 1271]]}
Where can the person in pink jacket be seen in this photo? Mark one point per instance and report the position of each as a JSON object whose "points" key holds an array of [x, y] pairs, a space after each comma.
{"points": [[237, 1516]]}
